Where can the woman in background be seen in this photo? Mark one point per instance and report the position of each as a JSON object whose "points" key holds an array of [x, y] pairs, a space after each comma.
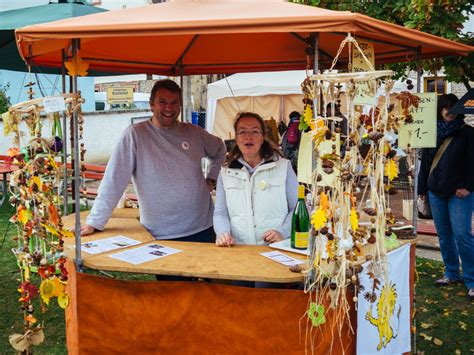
{"points": [[447, 178], [256, 189]]}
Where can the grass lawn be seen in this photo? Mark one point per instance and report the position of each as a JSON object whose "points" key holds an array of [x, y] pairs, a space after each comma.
{"points": [[444, 317]]}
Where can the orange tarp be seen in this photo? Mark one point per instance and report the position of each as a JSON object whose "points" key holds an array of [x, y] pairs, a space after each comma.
{"points": [[220, 37]]}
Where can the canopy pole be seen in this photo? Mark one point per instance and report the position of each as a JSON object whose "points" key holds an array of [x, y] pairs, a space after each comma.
{"points": [[314, 159], [315, 37], [181, 81], [415, 183], [63, 82], [77, 202]]}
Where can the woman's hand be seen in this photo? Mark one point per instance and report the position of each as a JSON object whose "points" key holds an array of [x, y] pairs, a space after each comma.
{"points": [[272, 236], [422, 197], [461, 193], [225, 240], [86, 230]]}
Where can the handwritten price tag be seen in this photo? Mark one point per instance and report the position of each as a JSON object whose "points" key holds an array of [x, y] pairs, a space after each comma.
{"points": [[422, 132]]}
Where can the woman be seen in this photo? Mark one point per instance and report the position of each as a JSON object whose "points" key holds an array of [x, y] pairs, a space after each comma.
{"points": [[256, 189], [447, 178]]}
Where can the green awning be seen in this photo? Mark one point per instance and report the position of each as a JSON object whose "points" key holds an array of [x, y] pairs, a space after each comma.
{"points": [[13, 19]]}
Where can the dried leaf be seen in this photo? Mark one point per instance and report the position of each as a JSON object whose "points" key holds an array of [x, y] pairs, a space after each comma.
{"points": [[461, 293], [63, 300], [77, 67], [465, 313], [24, 216], [426, 336], [437, 341], [53, 215], [66, 233], [462, 325], [426, 325]]}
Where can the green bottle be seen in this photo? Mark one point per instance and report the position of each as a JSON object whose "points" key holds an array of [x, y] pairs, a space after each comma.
{"points": [[300, 223]]}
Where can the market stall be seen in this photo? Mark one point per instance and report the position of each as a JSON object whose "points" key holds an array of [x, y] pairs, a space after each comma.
{"points": [[214, 316], [227, 37]]}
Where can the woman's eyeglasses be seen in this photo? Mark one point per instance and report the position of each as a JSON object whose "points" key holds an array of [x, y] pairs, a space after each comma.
{"points": [[253, 133]]}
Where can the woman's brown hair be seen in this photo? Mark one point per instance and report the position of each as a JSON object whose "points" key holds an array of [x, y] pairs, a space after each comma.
{"points": [[267, 150]]}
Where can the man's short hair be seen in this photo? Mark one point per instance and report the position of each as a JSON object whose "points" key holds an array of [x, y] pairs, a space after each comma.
{"points": [[167, 84]]}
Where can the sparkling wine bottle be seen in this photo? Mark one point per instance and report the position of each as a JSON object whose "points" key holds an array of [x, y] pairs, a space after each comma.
{"points": [[300, 222]]}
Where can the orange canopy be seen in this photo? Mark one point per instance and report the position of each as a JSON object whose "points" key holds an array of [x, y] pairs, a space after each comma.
{"points": [[199, 37]]}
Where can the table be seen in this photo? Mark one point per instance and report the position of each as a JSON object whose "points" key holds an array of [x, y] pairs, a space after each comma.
{"points": [[5, 171]]}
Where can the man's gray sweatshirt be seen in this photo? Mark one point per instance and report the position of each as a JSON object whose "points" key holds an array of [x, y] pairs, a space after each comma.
{"points": [[165, 168]]}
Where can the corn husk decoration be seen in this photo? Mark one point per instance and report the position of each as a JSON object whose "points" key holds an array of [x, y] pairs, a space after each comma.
{"points": [[40, 246], [349, 221]]}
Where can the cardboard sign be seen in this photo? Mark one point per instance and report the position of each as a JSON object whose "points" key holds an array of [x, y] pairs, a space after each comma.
{"points": [[363, 97], [305, 159], [422, 132], [120, 95], [358, 61]]}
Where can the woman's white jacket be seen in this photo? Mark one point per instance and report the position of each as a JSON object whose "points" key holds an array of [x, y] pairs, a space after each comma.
{"points": [[257, 202]]}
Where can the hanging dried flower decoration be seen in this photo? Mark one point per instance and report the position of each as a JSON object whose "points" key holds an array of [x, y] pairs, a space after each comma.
{"points": [[341, 241], [34, 194]]}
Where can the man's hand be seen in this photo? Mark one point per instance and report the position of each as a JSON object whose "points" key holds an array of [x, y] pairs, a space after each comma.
{"points": [[272, 236], [86, 230], [422, 197], [225, 240], [461, 193], [211, 184]]}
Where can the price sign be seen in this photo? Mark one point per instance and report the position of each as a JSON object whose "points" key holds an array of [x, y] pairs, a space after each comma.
{"points": [[421, 133], [54, 104]]}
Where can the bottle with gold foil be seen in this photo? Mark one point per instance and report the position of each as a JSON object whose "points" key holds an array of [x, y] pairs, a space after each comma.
{"points": [[300, 222]]}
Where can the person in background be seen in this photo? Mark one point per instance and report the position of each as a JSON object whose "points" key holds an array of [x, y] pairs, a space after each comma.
{"points": [[162, 157], [290, 141], [446, 178], [256, 189]]}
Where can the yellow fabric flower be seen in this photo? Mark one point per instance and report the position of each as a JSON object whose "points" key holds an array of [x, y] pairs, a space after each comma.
{"points": [[47, 290], [391, 169], [319, 218], [354, 219]]}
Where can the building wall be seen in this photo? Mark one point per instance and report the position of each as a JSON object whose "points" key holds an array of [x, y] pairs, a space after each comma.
{"points": [[102, 131]]}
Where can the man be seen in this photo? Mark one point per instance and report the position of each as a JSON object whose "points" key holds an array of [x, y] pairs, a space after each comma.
{"points": [[162, 156]]}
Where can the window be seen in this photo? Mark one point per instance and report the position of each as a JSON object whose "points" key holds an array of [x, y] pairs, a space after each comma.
{"points": [[435, 84], [99, 106]]}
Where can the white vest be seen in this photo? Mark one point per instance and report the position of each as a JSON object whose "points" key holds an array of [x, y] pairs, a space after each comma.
{"points": [[256, 203]]}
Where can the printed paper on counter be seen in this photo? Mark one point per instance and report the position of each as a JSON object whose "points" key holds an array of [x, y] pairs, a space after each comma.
{"points": [[282, 258], [108, 244], [144, 254]]}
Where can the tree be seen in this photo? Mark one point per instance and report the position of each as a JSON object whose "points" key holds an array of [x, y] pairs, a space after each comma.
{"points": [[444, 18], [4, 101]]}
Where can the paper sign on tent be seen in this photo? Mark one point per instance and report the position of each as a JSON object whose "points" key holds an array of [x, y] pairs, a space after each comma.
{"points": [[422, 132]]}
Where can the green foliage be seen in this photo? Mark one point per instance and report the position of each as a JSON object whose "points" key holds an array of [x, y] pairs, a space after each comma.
{"points": [[443, 313], [444, 18], [4, 100]]}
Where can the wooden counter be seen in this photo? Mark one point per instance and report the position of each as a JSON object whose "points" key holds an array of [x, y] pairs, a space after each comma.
{"points": [[205, 260]]}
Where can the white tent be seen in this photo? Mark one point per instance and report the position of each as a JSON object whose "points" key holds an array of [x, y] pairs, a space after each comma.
{"points": [[270, 94]]}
